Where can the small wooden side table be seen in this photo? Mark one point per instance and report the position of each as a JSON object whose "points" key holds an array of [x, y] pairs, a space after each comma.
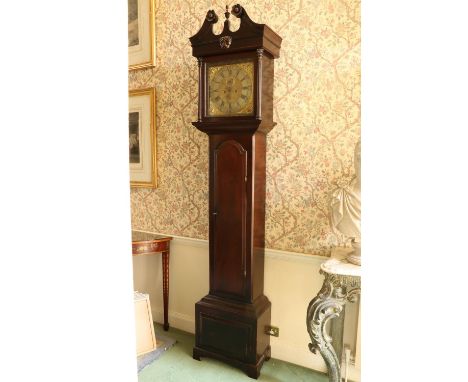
{"points": [[148, 244], [342, 283]]}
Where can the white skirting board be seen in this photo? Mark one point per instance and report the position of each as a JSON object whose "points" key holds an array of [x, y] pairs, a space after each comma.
{"points": [[176, 320], [291, 281]]}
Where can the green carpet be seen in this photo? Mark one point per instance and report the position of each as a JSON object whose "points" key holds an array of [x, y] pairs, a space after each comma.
{"points": [[177, 365]]}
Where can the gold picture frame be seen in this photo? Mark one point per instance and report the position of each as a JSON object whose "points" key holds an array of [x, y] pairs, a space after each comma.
{"points": [[142, 137], [141, 34]]}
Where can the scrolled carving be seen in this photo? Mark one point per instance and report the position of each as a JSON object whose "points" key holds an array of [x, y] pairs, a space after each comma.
{"points": [[336, 290], [341, 286], [237, 10], [211, 16]]}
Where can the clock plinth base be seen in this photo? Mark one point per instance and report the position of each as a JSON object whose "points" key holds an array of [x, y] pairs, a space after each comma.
{"points": [[233, 332]]}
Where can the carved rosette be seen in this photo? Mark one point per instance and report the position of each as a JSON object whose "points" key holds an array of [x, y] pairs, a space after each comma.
{"points": [[328, 304], [225, 42]]}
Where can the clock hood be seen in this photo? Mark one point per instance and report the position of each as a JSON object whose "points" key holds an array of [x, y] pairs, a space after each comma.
{"points": [[249, 37]]}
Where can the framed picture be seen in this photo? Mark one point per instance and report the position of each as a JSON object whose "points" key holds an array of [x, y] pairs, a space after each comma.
{"points": [[140, 34], [142, 137]]}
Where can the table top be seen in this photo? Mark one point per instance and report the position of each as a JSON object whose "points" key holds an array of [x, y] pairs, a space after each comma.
{"points": [[139, 236], [338, 265]]}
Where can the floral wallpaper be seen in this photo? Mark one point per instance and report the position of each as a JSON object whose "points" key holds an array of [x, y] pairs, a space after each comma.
{"points": [[317, 110]]}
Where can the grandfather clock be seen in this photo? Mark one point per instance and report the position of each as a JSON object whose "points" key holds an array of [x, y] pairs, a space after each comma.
{"points": [[235, 109]]}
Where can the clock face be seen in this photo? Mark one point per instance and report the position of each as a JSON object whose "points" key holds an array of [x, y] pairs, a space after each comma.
{"points": [[230, 89]]}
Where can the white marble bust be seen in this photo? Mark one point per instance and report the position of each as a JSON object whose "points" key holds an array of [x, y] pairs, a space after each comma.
{"points": [[346, 209]]}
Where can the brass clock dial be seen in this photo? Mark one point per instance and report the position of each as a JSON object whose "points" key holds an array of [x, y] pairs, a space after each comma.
{"points": [[230, 89]]}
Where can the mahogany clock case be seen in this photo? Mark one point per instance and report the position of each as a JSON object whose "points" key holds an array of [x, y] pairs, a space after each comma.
{"points": [[230, 321]]}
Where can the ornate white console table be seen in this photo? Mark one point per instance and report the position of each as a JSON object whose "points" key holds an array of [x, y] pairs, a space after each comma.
{"points": [[342, 283]]}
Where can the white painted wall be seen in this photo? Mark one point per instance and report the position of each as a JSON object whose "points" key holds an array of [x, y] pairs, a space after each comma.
{"points": [[291, 281]]}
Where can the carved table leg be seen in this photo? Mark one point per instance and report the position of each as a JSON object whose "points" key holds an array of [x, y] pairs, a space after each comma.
{"points": [[165, 267], [328, 304]]}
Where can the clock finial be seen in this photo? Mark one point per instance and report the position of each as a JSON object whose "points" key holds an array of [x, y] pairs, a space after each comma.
{"points": [[226, 22]]}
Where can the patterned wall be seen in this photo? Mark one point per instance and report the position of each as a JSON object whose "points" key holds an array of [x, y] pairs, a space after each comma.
{"points": [[317, 110]]}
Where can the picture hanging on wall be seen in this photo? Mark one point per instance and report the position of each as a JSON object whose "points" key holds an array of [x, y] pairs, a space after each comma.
{"points": [[141, 31], [142, 137]]}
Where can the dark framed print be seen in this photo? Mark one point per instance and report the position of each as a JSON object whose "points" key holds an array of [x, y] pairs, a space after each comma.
{"points": [[141, 50], [142, 137]]}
